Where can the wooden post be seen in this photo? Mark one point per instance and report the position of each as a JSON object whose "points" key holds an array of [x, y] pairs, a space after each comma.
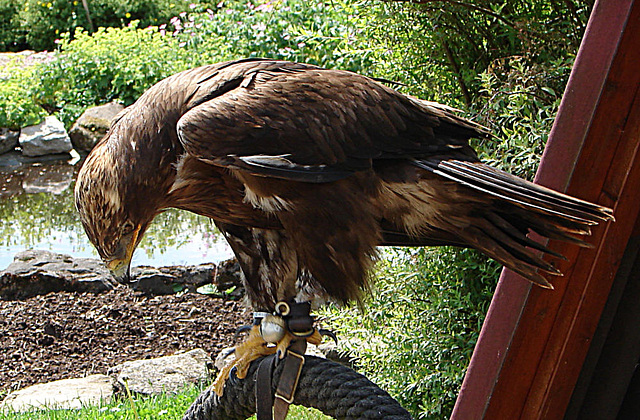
{"points": [[533, 342]]}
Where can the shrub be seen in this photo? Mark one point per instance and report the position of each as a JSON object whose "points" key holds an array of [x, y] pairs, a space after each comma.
{"points": [[18, 108], [444, 47], [314, 32], [44, 21], [518, 101], [12, 35], [110, 64], [417, 331]]}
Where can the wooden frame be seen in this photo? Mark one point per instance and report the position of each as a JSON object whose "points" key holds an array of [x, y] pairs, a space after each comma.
{"points": [[533, 343]]}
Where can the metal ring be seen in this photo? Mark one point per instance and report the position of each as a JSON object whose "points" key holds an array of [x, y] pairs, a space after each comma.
{"points": [[282, 308], [303, 334], [260, 315]]}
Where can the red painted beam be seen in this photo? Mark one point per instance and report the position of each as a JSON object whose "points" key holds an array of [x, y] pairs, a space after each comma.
{"points": [[529, 334]]}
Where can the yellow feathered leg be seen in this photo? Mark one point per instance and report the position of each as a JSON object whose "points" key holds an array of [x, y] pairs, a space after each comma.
{"points": [[253, 348]]}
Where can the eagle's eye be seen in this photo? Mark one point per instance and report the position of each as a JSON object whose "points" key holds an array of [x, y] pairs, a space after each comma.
{"points": [[127, 228]]}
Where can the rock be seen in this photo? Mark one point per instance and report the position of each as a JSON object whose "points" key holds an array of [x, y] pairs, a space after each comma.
{"points": [[169, 280], [229, 276], [163, 375], [151, 281], [48, 137], [53, 179], [63, 394], [12, 161], [92, 125], [35, 272], [8, 140]]}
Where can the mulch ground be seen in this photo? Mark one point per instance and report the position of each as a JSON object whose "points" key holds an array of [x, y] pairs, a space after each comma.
{"points": [[68, 335]]}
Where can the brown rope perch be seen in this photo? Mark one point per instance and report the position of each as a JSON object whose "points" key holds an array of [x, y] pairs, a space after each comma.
{"points": [[332, 388]]}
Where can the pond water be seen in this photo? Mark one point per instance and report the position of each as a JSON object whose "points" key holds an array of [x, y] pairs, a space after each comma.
{"points": [[37, 212]]}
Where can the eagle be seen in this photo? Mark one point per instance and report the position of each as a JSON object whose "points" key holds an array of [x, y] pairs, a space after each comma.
{"points": [[306, 171]]}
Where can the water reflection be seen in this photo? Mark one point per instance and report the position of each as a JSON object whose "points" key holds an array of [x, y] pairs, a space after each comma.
{"points": [[37, 211]]}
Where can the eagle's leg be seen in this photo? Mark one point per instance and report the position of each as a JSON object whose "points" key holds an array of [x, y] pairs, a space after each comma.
{"points": [[271, 333]]}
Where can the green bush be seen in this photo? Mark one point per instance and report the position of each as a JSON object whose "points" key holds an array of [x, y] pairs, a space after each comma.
{"points": [[12, 35], [315, 32], [17, 105], [519, 110], [111, 64], [443, 47], [417, 331], [44, 21]]}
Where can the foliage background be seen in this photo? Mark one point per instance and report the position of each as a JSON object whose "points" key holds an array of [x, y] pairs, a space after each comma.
{"points": [[504, 63]]}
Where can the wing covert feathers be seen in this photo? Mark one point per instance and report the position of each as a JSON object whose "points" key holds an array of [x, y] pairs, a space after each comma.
{"points": [[282, 167]]}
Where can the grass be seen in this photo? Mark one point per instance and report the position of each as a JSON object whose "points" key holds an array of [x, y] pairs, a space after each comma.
{"points": [[142, 408]]}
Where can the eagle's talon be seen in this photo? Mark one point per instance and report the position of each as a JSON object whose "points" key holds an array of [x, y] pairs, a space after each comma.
{"points": [[328, 333], [257, 344], [241, 330]]}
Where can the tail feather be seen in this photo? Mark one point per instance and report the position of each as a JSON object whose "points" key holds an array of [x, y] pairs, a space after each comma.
{"points": [[520, 236], [530, 191], [508, 257], [512, 193], [517, 248], [506, 208]]}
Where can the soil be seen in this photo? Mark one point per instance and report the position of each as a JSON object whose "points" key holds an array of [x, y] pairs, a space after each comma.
{"points": [[67, 335]]}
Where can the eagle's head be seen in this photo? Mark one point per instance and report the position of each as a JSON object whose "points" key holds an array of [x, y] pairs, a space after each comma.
{"points": [[104, 204], [120, 188]]}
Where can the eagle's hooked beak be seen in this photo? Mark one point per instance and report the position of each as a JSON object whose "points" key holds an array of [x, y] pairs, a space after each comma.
{"points": [[120, 270], [120, 267]]}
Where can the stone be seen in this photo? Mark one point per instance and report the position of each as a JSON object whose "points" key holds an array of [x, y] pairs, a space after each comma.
{"points": [[152, 281], [63, 394], [8, 140], [15, 160], [167, 374], [92, 125], [11, 161], [48, 137], [171, 279], [229, 277], [36, 272]]}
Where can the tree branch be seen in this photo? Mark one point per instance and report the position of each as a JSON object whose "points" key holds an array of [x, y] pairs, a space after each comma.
{"points": [[85, 4], [456, 70], [466, 5]]}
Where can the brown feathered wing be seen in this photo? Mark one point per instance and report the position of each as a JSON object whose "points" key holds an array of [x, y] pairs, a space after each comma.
{"points": [[346, 163]]}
